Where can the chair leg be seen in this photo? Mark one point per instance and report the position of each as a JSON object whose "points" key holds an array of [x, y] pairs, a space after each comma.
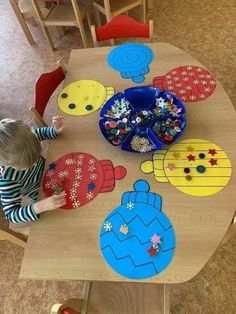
{"points": [[97, 17], [37, 118], [107, 10], [86, 292], [89, 20], [79, 22], [12, 238], [77, 305], [143, 11], [43, 26], [22, 22]]}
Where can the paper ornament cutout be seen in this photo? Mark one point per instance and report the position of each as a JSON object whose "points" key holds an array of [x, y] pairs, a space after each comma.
{"points": [[128, 252], [81, 176], [83, 97], [131, 60], [201, 168], [189, 83]]}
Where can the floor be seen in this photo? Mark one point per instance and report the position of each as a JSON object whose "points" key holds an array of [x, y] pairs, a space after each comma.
{"points": [[205, 29]]}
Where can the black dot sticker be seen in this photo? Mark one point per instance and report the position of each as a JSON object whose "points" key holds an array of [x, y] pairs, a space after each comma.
{"points": [[89, 107], [72, 106], [202, 156], [186, 170], [64, 95]]}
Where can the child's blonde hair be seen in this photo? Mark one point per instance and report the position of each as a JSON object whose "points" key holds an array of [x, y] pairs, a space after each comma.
{"points": [[19, 146]]}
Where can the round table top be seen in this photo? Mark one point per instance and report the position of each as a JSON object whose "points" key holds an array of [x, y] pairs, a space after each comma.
{"points": [[65, 244]]}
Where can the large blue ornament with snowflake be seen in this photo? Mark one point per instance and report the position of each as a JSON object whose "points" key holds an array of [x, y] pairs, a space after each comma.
{"points": [[137, 239]]}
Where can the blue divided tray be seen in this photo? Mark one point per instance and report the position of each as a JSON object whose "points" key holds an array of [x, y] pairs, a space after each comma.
{"points": [[131, 60], [138, 99], [128, 254]]}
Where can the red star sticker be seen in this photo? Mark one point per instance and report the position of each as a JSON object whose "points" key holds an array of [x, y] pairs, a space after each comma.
{"points": [[212, 152], [213, 162], [152, 251], [191, 157]]}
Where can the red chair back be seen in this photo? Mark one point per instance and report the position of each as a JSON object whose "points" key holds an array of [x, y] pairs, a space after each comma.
{"points": [[122, 26], [68, 310], [44, 88]]}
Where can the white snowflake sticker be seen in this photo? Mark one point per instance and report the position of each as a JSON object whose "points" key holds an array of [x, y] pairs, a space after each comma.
{"points": [[130, 205], [91, 162], [192, 97], [69, 161], [76, 204], [63, 174], [107, 226], [93, 176], [89, 195]]}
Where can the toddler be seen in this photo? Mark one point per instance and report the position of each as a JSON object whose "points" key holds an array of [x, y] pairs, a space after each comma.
{"points": [[21, 169]]}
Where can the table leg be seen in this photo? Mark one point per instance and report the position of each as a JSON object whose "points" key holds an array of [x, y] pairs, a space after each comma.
{"points": [[127, 298]]}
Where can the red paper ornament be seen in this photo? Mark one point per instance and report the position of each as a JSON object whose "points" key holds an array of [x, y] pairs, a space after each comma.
{"points": [[81, 176], [189, 83]]}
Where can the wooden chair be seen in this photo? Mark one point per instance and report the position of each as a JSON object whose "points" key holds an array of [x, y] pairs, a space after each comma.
{"points": [[62, 13], [121, 27], [111, 8], [23, 9], [15, 233], [44, 88], [74, 306], [13, 237]]}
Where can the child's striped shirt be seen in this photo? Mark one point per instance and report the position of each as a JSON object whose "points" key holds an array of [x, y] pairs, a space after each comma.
{"points": [[15, 183]]}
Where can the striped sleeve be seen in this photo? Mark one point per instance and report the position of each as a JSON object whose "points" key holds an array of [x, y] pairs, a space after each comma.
{"points": [[45, 133], [11, 202]]}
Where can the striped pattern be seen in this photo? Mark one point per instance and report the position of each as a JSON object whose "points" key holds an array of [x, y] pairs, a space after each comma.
{"points": [[16, 183]]}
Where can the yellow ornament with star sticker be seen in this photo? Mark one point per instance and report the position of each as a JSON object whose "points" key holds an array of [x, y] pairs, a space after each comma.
{"points": [[83, 97], [195, 166]]}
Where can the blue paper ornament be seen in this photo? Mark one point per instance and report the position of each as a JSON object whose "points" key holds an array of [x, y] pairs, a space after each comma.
{"points": [[137, 239], [131, 60]]}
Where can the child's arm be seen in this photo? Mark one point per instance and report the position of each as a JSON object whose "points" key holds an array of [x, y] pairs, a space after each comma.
{"points": [[46, 133], [14, 212], [11, 202]]}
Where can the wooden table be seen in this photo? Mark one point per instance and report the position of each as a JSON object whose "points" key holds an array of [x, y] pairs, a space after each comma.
{"points": [[64, 244]]}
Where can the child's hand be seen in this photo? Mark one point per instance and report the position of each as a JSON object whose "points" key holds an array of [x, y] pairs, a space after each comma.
{"points": [[50, 203], [58, 124]]}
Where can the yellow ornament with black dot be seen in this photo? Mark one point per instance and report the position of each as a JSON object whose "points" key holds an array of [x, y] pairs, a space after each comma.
{"points": [[195, 166], [83, 97]]}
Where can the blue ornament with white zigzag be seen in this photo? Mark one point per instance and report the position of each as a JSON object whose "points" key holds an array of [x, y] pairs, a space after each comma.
{"points": [[137, 239]]}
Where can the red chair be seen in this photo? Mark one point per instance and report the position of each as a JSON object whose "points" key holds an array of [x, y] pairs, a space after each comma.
{"points": [[44, 88], [121, 26]]}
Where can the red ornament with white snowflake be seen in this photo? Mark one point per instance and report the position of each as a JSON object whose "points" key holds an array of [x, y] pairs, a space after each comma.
{"points": [[189, 83], [81, 177]]}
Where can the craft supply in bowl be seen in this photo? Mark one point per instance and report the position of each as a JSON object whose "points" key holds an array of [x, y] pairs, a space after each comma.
{"points": [[142, 119]]}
